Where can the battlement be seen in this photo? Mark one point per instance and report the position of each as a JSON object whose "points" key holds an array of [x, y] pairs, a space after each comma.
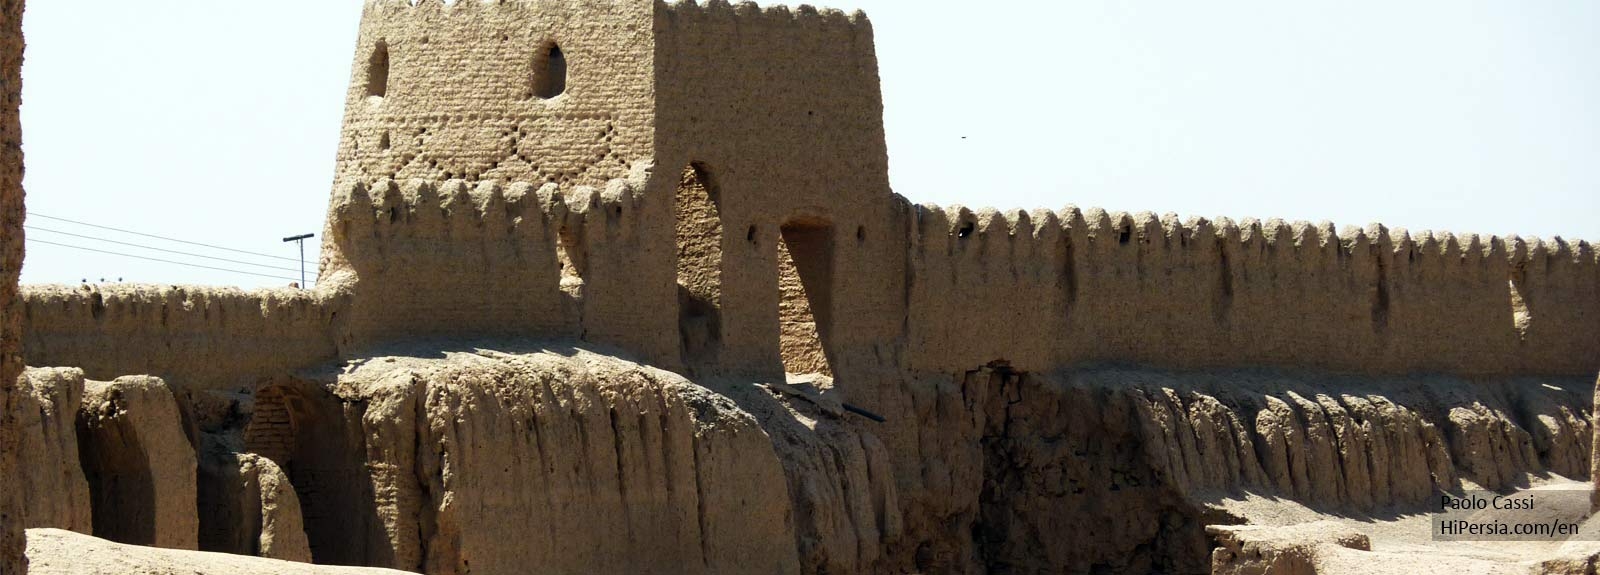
{"points": [[450, 102], [688, 11], [1098, 286], [750, 11], [497, 260], [634, 174], [202, 336], [462, 210], [532, 193], [1100, 227]]}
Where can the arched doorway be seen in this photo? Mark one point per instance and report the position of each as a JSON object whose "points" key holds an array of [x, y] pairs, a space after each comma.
{"points": [[805, 286], [306, 431], [698, 231]]}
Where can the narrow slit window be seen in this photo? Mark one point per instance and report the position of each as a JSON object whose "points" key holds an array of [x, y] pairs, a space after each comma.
{"points": [[378, 71], [550, 73]]}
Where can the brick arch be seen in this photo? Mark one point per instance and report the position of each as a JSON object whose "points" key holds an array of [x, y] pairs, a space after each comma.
{"points": [[314, 437], [271, 432]]}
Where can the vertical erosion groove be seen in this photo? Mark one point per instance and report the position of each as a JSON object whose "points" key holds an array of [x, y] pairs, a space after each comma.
{"points": [[619, 451], [1380, 291], [1224, 306], [1069, 274], [700, 503]]}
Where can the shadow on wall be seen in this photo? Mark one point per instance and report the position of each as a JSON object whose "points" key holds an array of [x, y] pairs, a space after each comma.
{"points": [[698, 229], [550, 73], [805, 279], [308, 432], [805, 284], [122, 490]]}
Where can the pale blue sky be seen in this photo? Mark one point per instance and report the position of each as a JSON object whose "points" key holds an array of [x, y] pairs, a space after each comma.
{"points": [[217, 121]]}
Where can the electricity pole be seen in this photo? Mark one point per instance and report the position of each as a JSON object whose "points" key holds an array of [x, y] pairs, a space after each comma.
{"points": [[301, 239]]}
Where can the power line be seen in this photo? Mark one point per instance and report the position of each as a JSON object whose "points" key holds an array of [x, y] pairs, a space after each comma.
{"points": [[37, 214], [98, 239], [159, 260]]}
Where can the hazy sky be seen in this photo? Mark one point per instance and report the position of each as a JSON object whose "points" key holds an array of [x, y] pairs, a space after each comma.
{"points": [[216, 121]]}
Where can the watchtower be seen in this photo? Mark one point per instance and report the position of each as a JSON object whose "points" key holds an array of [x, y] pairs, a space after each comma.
{"points": [[751, 138]]}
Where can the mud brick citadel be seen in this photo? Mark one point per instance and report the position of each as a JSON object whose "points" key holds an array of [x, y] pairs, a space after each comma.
{"points": [[607, 287]]}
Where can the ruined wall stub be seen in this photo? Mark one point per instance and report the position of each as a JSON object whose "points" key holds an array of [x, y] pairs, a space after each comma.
{"points": [[11, 248]]}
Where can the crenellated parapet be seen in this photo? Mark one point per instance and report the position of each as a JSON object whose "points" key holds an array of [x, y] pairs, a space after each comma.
{"points": [[491, 259], [546, 100], [691, 13], [407, 261], [202, 337], [1061, 288], [705, 187]]}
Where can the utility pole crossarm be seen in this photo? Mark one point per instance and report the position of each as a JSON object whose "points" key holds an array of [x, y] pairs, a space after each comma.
{"points": [[301, 239]]}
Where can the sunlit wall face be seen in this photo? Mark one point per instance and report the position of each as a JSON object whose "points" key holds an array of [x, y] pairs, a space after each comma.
{"points": [[1475, 117]]}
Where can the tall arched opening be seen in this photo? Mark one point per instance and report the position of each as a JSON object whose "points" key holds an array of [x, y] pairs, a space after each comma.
{"points": [[307, 432], [698, 225], [805, 285]]}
